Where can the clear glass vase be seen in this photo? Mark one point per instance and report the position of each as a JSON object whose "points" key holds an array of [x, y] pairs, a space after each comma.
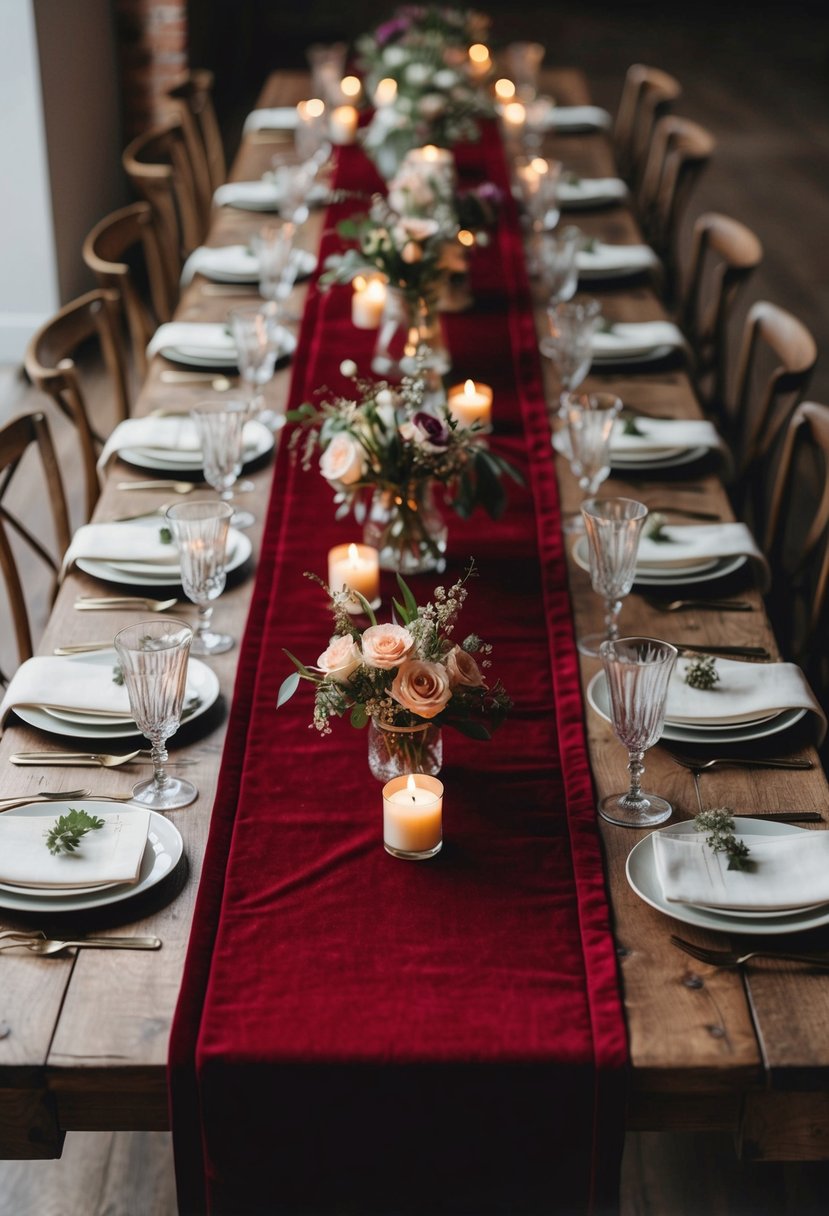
{"points": [[407, 529], [410, 337], [394, 751]]}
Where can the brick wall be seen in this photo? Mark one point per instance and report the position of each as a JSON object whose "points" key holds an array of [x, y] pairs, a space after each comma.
{"points": [[152, 50]]}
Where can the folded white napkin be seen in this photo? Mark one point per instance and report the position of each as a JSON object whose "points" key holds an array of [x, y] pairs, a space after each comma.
{"points": [[787, 872], [694, 544], [60, 683], [274, 118], [606, 259], [627, 339], [166, 434], [123, 542], [657, 434], [744, 691], [105, 855], [590, 191], [546, 117], [224, 262], [256, 196], [194, 339]]}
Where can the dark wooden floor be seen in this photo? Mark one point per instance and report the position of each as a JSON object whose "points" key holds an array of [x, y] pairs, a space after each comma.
{"points": [[756, 76]]}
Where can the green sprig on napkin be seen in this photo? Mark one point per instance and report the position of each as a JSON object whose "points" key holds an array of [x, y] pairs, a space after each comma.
{"points": [[66, 833], [701, 672], [719, 825]]}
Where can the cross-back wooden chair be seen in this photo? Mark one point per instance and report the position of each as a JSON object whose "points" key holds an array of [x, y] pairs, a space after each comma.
{"points": [[191, 101], [159, 168], [679, 151], [724, 255], [647, 94], [777, 357], [24, 434], [51, 363], [797, 544]]}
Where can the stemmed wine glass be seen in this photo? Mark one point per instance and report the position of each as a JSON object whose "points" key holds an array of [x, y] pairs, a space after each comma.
{"points": [[613, 527], [278, 256], [200, 530], [256, 333], [153, 657], [591, 418], [221, 427], [557, 262], [637, 671], [569, 343]]}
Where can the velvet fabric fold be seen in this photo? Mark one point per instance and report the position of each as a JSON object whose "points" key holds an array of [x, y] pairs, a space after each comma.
{"points": [[359, 1034]]}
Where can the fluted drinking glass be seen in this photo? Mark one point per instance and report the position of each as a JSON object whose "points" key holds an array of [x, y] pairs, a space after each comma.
{"points": [[256, 333], [613, 527], [221, 427], [569, 343], [591, 418], [200, 530], [153, 657], [557, 264], [638, 671]]}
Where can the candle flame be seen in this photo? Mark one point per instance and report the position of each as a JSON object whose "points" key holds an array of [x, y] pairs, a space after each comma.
{"points": [[353, 555], [386, 90], [376, 290], [430, 152], [315, 108], [465, 237], [411, 786], [539, 164], [504, 89], [479, 53], [359, 283], [350, 86], [515, 113], [469, 388]]}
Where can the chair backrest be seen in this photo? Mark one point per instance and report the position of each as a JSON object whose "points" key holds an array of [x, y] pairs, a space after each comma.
{"points": [[51, 365], [724, 254], [777, 358], [111, 251], [191, 101], [678, 153], [797, 541], [158, 165], [647, 94], [21, 518]]}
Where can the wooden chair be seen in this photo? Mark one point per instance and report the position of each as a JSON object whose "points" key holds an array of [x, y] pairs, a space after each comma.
{"points": [[678, 153], [159, 167], [777, 358], [51, 364], [191, 101], [24, 434], [647, 94], [724, 254], [797, 544], [124, 253]]}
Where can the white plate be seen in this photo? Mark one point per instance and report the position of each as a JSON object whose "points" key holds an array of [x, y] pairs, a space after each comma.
{"points": [[646, 356], [643, 463], [317, 197], [141, 574], [201, 679], [581, 558], [193, 356], [589, 273], [258, 441], [641, 874], [306, 265], [598, 699], [161, 855]]}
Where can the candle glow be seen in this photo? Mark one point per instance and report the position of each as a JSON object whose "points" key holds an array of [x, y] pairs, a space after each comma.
{"points": [[504, 89], [356, 567], [413, 816]]}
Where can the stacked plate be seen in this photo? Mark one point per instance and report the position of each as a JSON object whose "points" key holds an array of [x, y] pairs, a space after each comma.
{"points": [[161, 855], [639, 461], [148, 574], [643, 878], [258, 441], [700, 570], [219, 358]]}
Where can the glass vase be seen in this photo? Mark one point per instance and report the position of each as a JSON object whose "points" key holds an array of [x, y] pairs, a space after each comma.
{"points": [[410, 337], [394, 751], [407, 529]]}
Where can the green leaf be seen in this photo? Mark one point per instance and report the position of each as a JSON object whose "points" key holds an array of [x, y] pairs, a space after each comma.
{"points": [[408, 599], [67, 831], [289, 686], [301, 668], [472, 729], [401, 611], [359, 717], [366, 606]]}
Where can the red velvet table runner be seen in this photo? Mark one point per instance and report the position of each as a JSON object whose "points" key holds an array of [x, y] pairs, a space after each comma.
{"points": [[359, 1034]]}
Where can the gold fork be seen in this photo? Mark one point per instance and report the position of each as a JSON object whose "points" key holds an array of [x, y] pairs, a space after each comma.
{"points": [[700, 766], [7, 804], [88, 759], [122, 603], [43, 945], [730, 958]]}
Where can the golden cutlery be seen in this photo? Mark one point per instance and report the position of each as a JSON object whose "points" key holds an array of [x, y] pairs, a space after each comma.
{"points": [[229, 289], [178, 487], [83, 648], [146, 514], [44, 945], [91, 603], [88, 759], [6, 804], [730, 958], [700, 766], [172, 377], [714, 605], [740, 652]]}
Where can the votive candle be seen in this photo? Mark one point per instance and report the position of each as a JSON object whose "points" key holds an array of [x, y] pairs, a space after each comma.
{"points": [[471, 402], [413, 816], [342, 125], [367, 303], [356, 567], [386, 92]]}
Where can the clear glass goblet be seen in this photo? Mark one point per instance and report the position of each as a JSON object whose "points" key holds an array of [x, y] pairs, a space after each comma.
{"points": [[539, 180], [613, 527], [638, 671], [221, 428], [523, 63], [153, 656], [279, 256], [569, 344], [200, 530], [591, 418], [254, 327], [557, 256]]}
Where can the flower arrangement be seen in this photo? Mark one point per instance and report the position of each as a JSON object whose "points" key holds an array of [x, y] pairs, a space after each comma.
{"points": [[404, 675]]}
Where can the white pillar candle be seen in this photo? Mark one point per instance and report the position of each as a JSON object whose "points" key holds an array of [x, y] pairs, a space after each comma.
{"points": [[367, 303], [351, 88], [471, 402], [413, 816], [386, 92], [342, 125], [480, 61], [358, 568], [431, 161], [514, 114], [504, 89]]}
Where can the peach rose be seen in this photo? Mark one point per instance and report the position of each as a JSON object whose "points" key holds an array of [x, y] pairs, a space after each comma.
{"points": [[423, 688], [340, 659], [463, 669], [343, 460], [386, 646]]}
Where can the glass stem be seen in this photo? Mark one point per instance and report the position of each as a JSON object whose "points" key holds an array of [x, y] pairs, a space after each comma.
{"points": [[611, 620], [636, 768], [203, 624], [159, 758]]}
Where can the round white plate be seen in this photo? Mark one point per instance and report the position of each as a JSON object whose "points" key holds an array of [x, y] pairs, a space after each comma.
{"points": [[141, 574], [306, 264], [194, 357], [201, 680], [161, 855], [617, 272], [641, 874], [258, 441], [581, 558], [671, 578], [643, 463], [599, 700], [648, 356], [317, 197]]}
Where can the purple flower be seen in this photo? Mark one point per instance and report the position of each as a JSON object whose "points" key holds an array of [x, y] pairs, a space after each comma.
{"points": [[430, 430], [390, 30]]}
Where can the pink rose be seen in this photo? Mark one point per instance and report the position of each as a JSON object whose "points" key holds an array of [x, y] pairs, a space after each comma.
{"points": [[340, 659], [423, 688], [411, 253], [386, 646], [463, 669], [343, 460]]}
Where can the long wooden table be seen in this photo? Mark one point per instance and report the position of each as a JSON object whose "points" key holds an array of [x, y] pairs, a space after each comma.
{"points": [[83, 1039]]}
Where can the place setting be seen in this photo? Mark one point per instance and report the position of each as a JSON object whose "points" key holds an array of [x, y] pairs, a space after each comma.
{"points": [[174, 443], [641, 443], [239, 264], [576, 193], [211, 344]]}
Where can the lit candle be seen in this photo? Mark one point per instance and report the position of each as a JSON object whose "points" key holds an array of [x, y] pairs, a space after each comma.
{"points": [[367, 303], [356, 567], [514, 114], [471, 402], [480, 61], [310, 111], [432, 161], [350, 87], [386, 91], [310, 117], [342, 124], [413, 816], [504, 89]]}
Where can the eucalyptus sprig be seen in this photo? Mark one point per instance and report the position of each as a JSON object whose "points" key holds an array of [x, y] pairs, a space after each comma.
{"points": [[719, 824], [165, 535], [656, 528], [630, 425], [701, 672], [67, 831]]}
